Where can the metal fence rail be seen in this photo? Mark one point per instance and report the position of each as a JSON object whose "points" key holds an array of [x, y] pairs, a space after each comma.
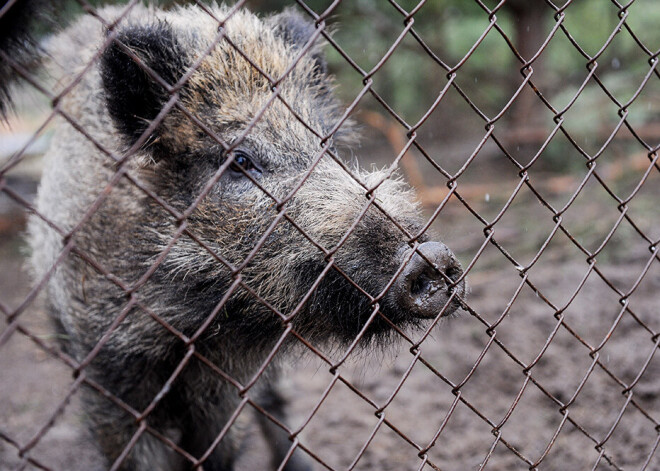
{"points": [[455, 196]]}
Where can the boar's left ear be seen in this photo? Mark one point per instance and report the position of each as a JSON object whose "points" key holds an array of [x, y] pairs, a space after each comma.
{"points": [[296, 30], [133, 97]]}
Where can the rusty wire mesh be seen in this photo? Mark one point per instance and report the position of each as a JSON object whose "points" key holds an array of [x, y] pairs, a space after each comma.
{"points": [[551, 367]]}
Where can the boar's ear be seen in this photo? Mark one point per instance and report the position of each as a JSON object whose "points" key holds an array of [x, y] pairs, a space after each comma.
{"points": [[133, 97], [296, 30]]}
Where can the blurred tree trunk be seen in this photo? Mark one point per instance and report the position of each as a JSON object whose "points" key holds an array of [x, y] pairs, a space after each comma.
{"points": [[529, 17]]}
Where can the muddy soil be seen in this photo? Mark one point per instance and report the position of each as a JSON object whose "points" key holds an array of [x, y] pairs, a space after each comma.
{"points": [[554, 363]]}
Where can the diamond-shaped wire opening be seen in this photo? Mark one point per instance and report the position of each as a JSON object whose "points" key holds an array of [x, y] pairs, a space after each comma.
{"points": [[590, 30], [593, 310], [626, 258], [421, 385], [496, 406], [451, 116], [571, 448], [628, 366], [533, 423], [528, 310], [552, 373], [361, 424], [466, 449], [633, 440], [599, 403]]}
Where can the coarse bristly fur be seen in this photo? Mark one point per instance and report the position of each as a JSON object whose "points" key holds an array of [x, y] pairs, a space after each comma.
{"points": [[127, 234]]}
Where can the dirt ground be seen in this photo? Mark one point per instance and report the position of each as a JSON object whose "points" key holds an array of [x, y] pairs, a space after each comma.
{"points": [[504, 415]]}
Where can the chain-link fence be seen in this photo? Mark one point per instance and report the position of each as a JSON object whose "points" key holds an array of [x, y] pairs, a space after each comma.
{"points": [[216, 284]]}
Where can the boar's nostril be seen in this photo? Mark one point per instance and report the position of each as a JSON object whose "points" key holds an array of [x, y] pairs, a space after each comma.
{"points": [[454, 272], [420, 285], [426, 283]]}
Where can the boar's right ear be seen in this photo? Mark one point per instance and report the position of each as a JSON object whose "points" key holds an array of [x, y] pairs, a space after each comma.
{"points": [[132, 96], [296, 30]]}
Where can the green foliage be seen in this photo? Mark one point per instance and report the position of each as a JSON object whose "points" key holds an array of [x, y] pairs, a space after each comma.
{"points": [[410, 80]]}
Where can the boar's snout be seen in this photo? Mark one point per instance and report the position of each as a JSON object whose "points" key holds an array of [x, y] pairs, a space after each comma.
{"points": [[428, 280]]}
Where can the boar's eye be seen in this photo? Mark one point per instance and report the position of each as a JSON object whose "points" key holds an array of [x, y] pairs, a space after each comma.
{"points": [[243, 164]]}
